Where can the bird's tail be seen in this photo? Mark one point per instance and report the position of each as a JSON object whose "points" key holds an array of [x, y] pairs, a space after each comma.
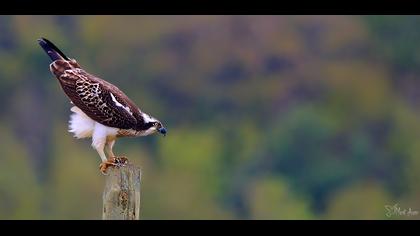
{"points": [[53, 52]]}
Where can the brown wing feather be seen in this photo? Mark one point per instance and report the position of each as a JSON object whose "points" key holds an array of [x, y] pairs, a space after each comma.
{"points": [[93, 96]]}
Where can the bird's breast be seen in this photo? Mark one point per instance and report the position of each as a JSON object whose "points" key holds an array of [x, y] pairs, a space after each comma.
{"points": [[134, 133], [127, 133]]}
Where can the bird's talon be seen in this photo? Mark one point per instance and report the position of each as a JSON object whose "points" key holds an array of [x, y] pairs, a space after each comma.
{"points": [[103, 167], [113, 161]]}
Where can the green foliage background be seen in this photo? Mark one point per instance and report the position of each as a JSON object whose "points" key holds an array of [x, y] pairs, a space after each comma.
{"points": [[268, 117]]}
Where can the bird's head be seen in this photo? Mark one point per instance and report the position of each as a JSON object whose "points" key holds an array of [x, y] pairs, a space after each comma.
{"points": [[157, 125], [153, 125]]}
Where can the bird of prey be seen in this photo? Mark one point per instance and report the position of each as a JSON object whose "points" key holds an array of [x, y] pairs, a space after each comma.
{"points": [[101, 111]]}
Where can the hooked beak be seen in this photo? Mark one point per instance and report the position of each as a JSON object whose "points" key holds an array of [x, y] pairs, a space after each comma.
{"points": [[162, 131]]}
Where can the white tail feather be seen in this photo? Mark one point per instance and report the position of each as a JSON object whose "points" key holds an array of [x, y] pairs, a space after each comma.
{"points": [[80, 124]]}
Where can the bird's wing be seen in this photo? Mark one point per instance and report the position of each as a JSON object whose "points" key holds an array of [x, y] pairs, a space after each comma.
{"points": [[100, 100]]}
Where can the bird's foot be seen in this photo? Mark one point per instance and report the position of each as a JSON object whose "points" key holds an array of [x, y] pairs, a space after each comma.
{"points": [[113, 161], [105, 165]]}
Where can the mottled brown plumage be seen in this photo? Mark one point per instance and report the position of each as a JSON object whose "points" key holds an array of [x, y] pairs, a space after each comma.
{"points": [[93, 96]]}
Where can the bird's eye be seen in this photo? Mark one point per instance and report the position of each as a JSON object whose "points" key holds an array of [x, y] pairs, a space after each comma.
{"points": [[155, 124]]}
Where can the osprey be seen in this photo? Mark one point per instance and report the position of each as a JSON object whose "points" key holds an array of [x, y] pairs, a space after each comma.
{"points": [[101, 110]]}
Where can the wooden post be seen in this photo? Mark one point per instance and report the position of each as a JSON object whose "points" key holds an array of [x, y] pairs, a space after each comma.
{"points": [[121, 196]]}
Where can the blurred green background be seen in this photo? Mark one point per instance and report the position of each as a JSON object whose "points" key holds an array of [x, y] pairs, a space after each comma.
{"points": [[268, 117]]}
